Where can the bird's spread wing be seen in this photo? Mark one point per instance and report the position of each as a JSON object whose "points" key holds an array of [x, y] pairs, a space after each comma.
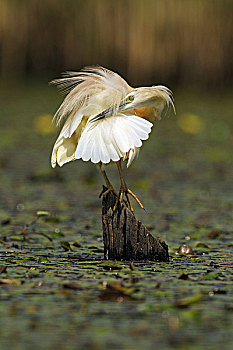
{"points": [[86, 85], [112, 139]]}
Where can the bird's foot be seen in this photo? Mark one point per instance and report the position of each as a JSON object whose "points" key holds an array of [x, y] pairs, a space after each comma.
{"points": [[104, 193], [125, 191]]}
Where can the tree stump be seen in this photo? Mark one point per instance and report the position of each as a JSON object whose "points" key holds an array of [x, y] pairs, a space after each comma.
{"points": [[126, 238]]}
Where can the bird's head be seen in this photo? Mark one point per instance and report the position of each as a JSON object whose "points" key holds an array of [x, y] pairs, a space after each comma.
{"points": [[155, 96]]}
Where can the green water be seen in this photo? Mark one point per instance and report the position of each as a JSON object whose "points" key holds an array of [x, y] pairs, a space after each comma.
{"points": [[59, 295]]}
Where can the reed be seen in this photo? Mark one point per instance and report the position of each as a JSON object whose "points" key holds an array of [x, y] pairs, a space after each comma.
{"points": [[149, 41]]}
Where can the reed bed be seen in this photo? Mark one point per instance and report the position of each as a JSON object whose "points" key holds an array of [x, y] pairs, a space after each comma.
{"points": [[174, 41]]}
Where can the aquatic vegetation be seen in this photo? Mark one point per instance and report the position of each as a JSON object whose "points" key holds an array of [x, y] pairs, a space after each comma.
{"points": [[56, 290]]}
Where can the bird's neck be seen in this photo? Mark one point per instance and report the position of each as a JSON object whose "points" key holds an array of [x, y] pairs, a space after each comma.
{"points": [[147, 112]]}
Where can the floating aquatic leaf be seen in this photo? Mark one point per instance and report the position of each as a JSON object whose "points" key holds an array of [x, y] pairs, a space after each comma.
{"points": [[52, 219], [213, 234], [43, 261], [115, 286], [77, 244], [10, 281], [3, 269], [72, 285], [5, 222], [42, 213], [66, 246], [219, 291], [96, 250], [211, 275], [111, 265], [132, 266], [115, 296], [184, 276], [57, 234], [201, 245], [186, 302], [117, 292]]}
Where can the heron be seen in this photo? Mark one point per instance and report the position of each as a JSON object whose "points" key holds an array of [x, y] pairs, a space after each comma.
{"points": [[106, 121]]}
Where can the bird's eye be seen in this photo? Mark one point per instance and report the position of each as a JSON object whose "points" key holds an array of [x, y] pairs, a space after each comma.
{"points": [[130, 98]]}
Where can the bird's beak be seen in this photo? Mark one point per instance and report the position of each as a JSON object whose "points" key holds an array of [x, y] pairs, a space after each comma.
{"points": [[107, 112]]}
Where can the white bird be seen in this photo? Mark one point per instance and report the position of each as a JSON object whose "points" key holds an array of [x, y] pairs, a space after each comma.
{"points": [[106, 120]]}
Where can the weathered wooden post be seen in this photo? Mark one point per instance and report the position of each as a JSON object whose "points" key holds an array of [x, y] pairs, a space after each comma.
{"points": [[126, 238]]}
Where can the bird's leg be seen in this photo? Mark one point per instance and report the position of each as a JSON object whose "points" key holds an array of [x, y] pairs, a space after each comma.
{"points": [[124, 190], [108, 183]]}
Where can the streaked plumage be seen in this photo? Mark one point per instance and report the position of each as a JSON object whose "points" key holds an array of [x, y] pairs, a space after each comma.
{"points": [[106, 118]]}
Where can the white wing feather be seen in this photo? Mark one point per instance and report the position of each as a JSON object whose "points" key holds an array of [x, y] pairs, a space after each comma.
{"points": [[124, 140]]}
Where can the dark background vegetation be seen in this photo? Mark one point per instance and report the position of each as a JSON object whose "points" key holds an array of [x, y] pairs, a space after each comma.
{"points": [[147, 41], [56, 291]]}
